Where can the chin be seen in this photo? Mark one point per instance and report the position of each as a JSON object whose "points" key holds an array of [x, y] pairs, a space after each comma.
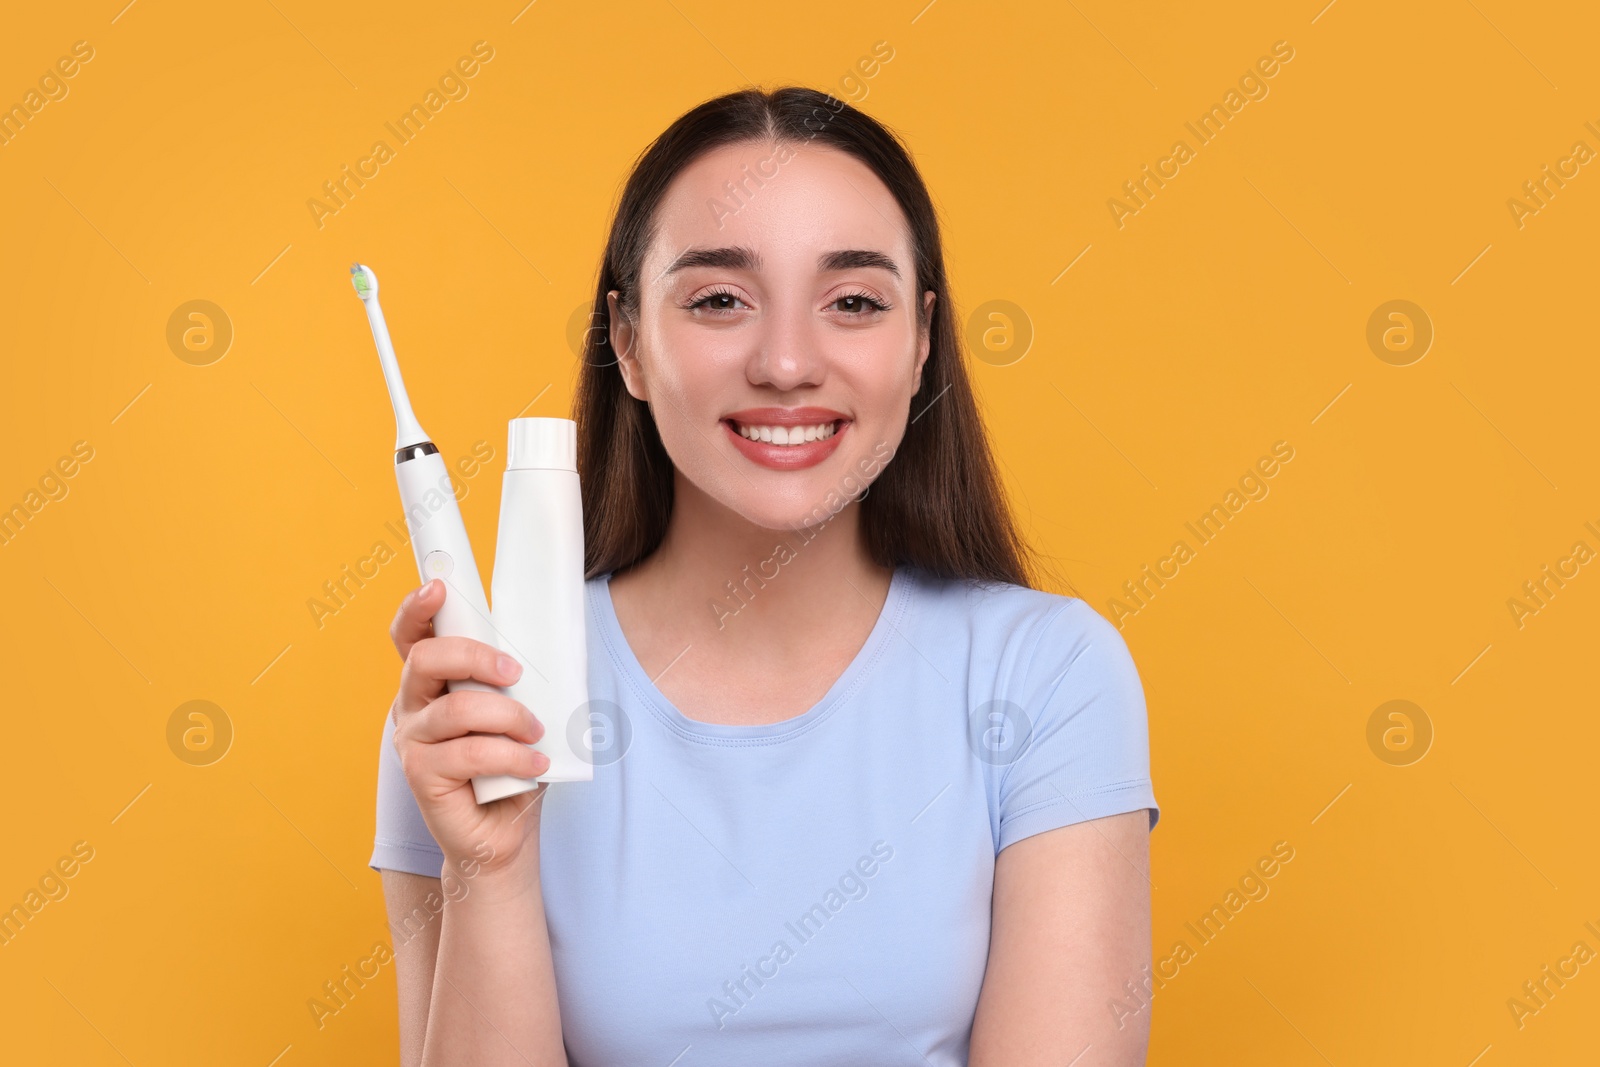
{"points": [[813, 502]]}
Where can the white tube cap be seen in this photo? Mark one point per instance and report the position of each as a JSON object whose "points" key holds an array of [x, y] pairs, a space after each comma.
{"points": [[542, 444]]}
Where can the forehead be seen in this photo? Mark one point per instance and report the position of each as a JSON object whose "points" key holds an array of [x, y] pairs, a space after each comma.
{"points": [[819, 200]]}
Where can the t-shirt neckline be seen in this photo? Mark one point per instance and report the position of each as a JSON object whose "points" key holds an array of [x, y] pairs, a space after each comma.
{"points": [[871, 651]]}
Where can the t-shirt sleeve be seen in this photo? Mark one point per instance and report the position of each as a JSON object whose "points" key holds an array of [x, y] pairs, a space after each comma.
{"points": [[1082, 747], [402, 841]]}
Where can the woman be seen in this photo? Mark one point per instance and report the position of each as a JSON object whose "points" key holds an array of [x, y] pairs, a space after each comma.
{"points": [[861, 795]]}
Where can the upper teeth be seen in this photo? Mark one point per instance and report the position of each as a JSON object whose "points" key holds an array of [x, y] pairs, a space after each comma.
{"points": [[786, 435]]}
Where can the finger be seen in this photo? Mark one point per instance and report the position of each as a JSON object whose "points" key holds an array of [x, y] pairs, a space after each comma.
{"points": [[468, 711], [414, 619], [433, 661], [461, 759]]}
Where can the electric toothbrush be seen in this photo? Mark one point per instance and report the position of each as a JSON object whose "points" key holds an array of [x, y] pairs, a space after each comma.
{"points": [[438, 536]]}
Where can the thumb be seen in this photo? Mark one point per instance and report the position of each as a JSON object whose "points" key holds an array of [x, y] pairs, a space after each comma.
{"points": [[414, 620]]}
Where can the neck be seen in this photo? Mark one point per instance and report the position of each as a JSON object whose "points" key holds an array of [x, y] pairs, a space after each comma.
{"points": [[722, 575]]}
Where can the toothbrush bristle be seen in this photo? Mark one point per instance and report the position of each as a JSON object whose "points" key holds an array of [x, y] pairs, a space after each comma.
{"points": [[358, 276]]}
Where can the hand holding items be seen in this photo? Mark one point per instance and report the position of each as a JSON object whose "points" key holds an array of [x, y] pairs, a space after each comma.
{"points": [[538, 580]]}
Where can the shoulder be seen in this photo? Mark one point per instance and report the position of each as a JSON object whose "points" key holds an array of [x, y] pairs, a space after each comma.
{"points": [[1027, 629]]}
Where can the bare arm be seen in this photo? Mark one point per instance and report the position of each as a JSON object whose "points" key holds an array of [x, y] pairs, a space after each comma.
{"points": [[1071, 924], [475, 974], [415, 930], [485, 956], [494, 990]]}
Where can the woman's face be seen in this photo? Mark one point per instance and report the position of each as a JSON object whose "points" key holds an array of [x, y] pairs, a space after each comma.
{"points": [[784, 310]]}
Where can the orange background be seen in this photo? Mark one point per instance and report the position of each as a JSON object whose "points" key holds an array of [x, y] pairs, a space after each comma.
{"points": [[1229, 313]]}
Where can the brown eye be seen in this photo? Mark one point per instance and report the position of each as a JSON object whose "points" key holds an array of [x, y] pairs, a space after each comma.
{"points": [[858, 304], [717, 301]]}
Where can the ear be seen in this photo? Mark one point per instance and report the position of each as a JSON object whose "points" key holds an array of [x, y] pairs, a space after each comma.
{"points": [[623, 336], [925, 338]]}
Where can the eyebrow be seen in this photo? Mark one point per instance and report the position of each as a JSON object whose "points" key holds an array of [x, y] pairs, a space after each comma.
{"points": [[740, 257]]}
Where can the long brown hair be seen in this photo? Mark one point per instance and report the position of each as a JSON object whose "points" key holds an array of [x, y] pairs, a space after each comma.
{"points": [[938, 504]]}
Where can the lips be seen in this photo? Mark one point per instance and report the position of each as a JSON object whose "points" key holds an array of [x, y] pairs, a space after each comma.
{"points": [[786, 438]]}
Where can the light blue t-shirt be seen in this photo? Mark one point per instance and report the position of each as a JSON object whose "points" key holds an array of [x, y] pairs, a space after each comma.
{"points": [[817, 890]]}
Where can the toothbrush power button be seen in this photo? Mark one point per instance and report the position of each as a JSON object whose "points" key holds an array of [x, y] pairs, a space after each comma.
{"points": [[437, 564]]}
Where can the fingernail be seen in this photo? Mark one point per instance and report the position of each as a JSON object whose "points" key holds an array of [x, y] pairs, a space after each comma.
{"points": [[509, 667]]}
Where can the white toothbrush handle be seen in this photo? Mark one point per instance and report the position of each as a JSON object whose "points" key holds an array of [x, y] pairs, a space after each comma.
{"points": [[439, 539]]}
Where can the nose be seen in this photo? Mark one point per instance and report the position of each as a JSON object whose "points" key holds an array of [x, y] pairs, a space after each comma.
{"points": [[787, 353]]}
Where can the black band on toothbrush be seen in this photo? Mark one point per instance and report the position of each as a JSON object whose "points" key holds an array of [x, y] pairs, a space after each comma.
{"points": [[426, 448]]}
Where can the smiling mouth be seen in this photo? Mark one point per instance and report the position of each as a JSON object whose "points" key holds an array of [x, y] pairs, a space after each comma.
{"points": [[786, 436]]}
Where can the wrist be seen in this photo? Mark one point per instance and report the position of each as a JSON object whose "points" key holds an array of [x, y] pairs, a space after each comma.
{"points": [[492, 879]]}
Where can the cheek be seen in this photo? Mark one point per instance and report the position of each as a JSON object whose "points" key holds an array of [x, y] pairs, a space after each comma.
{"points": [[693, 368], [690, 376], [881, 370]]}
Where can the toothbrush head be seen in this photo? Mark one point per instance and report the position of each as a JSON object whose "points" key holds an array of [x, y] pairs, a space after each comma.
{"points": [[407, 430], [365, 281]]}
